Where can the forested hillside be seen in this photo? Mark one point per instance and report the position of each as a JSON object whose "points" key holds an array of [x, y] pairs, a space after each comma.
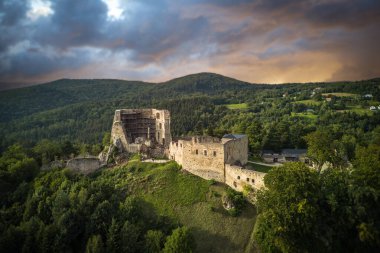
{"points": [[274, 116]]}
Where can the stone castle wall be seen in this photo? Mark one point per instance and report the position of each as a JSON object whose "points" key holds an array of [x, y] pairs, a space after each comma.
{"points": [[220, 160], [202, 156], [237, 177]]}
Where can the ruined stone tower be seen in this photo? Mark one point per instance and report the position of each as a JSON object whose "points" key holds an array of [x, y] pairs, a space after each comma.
{"points": [[135, 130]]}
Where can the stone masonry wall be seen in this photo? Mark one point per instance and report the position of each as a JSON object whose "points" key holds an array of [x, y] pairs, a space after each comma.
{"points": [[176, 151], [200, 156], [163, 135], [207, 157], [237, 177]]}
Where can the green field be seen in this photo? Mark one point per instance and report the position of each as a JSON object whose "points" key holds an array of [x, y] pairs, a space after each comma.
{"points": [[237, 106], [259, 167], [374, 103], [358, 110], [308, 102], [190, 201], [340, 94]]}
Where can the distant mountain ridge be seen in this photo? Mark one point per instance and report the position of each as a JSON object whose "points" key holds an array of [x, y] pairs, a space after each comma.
{"points": [[70, 91], [199, 76], [82, 109]]}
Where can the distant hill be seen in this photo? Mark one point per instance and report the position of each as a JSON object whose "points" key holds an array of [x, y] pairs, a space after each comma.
{"points": [[203, 82], [24, 101], [20, 102]]}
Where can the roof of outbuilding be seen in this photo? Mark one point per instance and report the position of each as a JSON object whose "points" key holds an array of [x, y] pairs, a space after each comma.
{"points": [[294, 151], [233, 136]]}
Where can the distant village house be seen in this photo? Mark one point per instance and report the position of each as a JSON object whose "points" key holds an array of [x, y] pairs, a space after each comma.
{"points": [[286, 155]]}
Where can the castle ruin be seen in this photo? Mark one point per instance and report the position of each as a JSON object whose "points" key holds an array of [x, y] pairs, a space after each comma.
{"points": [[141, 130], [147, 131]]}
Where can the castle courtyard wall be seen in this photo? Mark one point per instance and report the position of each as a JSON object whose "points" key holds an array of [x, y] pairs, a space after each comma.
{"points": [[237, 177]]}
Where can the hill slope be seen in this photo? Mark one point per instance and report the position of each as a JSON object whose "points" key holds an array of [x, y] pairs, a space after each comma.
{"points": [[189, 200]]}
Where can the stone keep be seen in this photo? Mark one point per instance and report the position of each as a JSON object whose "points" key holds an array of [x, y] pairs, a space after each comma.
{"points": [[134, 129]]}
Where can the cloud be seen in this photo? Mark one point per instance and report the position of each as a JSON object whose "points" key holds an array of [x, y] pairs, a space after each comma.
{"points": [[253, 40], [12, 12]]}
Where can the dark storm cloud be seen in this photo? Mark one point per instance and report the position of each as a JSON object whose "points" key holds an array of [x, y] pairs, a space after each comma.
{"points": [[349, 14], [151, 31], [74, 23], [148, 30], [161, 39], [12, 12]]}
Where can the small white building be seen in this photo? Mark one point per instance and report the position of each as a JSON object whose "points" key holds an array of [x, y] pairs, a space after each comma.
{"points": [[373, 108]]}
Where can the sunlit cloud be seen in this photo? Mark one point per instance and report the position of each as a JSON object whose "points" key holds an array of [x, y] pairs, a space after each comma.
{"points": [[39, 8], [115, 11]]}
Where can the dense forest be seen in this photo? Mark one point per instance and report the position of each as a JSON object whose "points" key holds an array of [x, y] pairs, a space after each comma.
{"points": [[301, 210], [59, 211]]}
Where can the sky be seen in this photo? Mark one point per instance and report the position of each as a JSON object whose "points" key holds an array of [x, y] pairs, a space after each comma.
{"points": [[259, 41]]}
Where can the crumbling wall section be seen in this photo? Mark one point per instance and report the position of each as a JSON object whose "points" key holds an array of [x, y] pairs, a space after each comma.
{"points": [[118, 134], [236, 150], [84, 165]]}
